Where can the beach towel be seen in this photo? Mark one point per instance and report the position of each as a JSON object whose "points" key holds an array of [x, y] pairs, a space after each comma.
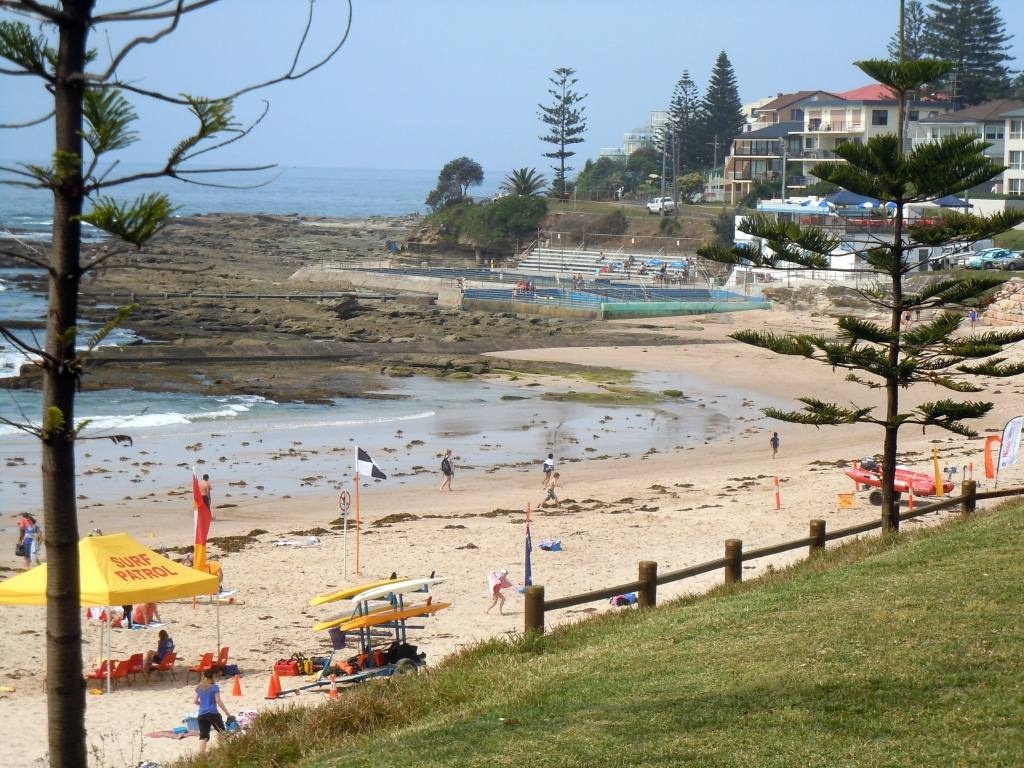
{"points": [[629, 598], [172, 734], [312, 541]]}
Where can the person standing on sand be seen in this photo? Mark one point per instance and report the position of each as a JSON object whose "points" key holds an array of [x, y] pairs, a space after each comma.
{"points": [[29, 536], [204, 490], [774, 442], [497, 581], [549, 467], [973, 317], [447, 470], [549, 490], [208, 698]]}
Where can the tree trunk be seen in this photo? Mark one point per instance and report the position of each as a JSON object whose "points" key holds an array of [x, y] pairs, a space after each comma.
{"points": [[65, 686]]}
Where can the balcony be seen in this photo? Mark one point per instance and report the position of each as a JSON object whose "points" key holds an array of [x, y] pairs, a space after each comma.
{"points": [[819, 154], [835, 126]]}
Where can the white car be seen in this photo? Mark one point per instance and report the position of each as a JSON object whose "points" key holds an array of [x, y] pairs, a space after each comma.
{"points": [[661, 205]]}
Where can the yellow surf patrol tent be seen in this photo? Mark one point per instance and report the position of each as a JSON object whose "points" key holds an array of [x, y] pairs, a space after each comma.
{"points": [[115, 570]]}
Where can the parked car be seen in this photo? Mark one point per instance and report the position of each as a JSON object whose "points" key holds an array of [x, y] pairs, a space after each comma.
{"points": [[661, 205], [996, 258]]}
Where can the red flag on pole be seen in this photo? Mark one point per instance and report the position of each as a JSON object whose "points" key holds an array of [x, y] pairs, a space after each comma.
{"points": [[203, 518]]}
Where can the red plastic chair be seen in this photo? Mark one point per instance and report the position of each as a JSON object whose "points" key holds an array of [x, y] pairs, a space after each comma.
{"points": [[222, 660], [136, 664], [204, 664], [166, 665], [100, 673]]}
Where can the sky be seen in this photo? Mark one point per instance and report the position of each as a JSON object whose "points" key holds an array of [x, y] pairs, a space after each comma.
{"points": [[419, 83]]}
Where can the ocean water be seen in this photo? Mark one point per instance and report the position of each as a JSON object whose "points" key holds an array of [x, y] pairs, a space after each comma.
{"points": [[330, 192], [298, 449]]}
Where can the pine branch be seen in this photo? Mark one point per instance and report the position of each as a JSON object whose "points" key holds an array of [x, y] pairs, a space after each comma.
{"points": [[821, 414]]}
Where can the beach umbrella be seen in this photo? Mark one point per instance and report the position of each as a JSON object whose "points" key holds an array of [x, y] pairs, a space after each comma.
{"points": [[846, 197], [952, 201]]}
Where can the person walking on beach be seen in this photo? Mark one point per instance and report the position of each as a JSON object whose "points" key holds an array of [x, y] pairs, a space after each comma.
{"points": [[549, 490], [28, 537], [549, 467], [497, 581], [774, 442], [204, 491], [973, 317], [447, 470], [208, 698]]}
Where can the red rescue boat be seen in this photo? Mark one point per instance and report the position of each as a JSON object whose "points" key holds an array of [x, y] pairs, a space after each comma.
{"points": [[868, 473]]}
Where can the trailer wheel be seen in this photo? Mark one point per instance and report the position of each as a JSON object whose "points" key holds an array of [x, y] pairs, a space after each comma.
{"points": [[875, 497], [405, 667]]}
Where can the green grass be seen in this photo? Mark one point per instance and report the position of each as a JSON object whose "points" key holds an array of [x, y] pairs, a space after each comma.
{"points": [[897, 651], [1013, 239]]}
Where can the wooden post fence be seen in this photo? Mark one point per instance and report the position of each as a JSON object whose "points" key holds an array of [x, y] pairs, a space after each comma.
{"points": [[534, 608], [647, 595], [734, 554], [969, 494], [646, 585], [818, 536]]}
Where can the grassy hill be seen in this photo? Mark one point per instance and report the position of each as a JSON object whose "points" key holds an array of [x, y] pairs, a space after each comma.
{"points": [[905, 651]]}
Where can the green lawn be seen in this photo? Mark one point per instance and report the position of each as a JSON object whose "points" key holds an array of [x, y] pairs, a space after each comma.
{"points": [[905, 651], [1014, 240]]}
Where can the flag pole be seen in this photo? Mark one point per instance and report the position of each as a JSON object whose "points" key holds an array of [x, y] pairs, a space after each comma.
{"points": [[344, 544], [357, 510]]}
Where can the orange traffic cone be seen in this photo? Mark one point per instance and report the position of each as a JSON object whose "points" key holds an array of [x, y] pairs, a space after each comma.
{"points": [[236, 689], [333, 694], [274, 689]]}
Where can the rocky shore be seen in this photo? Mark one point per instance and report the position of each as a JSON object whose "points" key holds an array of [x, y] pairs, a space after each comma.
{"points": [[292, 348]]}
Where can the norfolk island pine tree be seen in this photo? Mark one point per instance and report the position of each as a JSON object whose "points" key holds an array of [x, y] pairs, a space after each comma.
{"points": [[877, 355], [92, 120]]}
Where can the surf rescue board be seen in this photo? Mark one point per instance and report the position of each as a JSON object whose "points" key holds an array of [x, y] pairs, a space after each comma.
{"points": [[386, 617], [383, 591], [348, 592]]}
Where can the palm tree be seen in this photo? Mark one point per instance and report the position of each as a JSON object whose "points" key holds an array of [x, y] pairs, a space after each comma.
{"points": [[524, 182]]}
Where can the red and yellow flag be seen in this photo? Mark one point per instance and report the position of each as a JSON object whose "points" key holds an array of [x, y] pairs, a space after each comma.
{"points": [[203, 518]]}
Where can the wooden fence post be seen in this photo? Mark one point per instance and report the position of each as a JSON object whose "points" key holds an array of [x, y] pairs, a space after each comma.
{"points": [[647, 597], [818, 534], [969, 490], [734, 553], [534, 608]]}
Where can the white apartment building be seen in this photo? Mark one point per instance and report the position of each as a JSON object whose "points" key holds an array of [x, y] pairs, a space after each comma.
{"points": [[998, 123]]}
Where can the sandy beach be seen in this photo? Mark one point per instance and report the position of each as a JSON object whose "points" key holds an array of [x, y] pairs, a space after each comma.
{"points": [[675, 505]]}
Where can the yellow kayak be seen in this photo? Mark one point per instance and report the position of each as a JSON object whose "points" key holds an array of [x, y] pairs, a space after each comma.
{"points": [[349, 592], [341, 618], [384, 617]]}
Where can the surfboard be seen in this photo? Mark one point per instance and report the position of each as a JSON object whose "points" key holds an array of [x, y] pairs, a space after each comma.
{"points": [[340, 618], [382, 591], [347, 592], [385, 617]]}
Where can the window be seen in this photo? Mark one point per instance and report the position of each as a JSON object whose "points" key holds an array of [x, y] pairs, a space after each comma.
{"points": [[993, 132], [810, 142], [879, 116], [1017, 160], [913, 115], [1017, 129], [1016, 187]]}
